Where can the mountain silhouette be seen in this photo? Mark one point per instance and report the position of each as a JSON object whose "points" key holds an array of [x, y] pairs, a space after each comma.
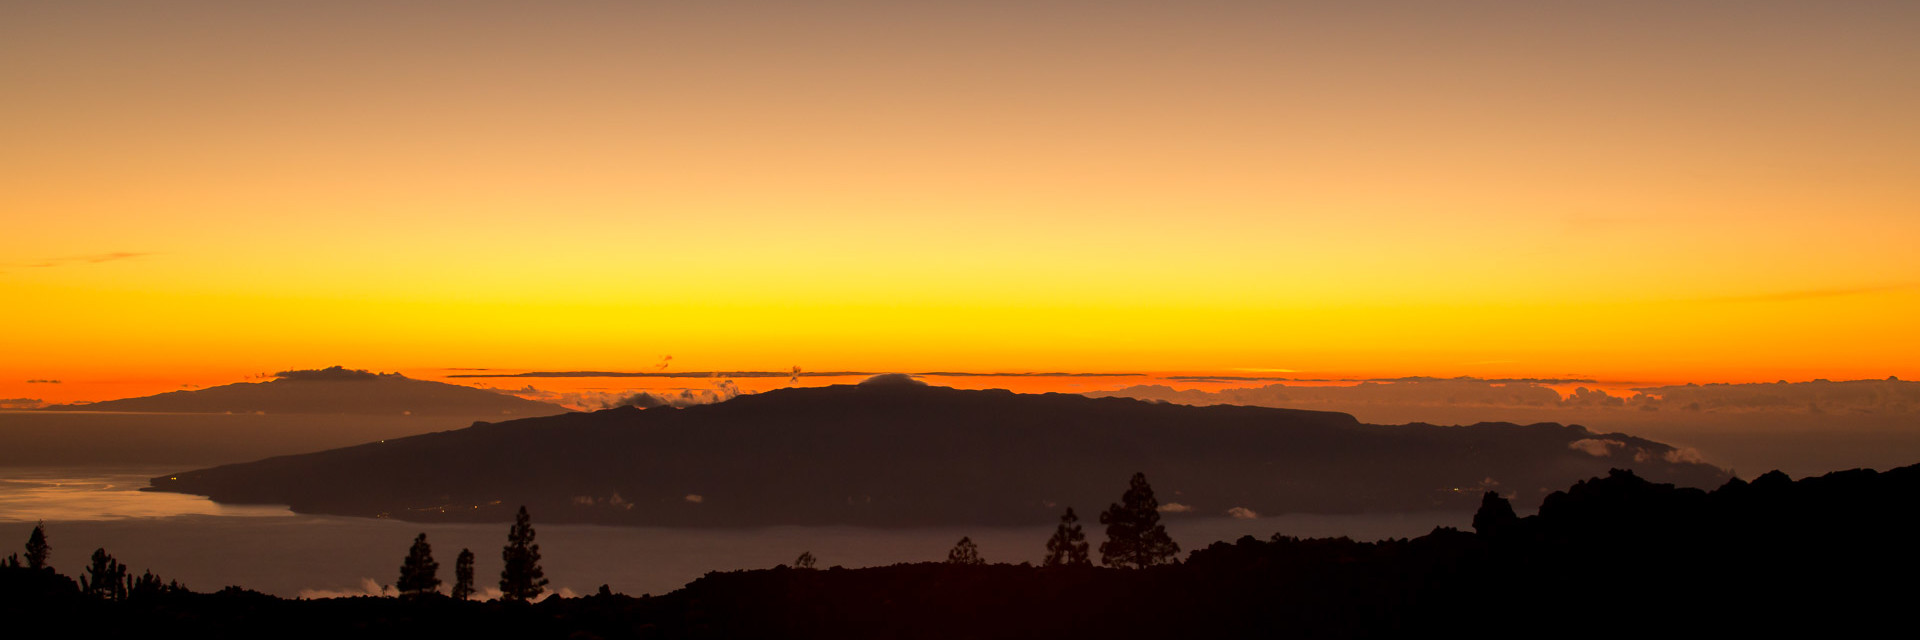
{"points": [[904, 454], [334, 390]]}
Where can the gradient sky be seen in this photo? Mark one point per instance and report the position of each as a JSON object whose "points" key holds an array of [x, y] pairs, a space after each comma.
{"points": [[1661, 191]]}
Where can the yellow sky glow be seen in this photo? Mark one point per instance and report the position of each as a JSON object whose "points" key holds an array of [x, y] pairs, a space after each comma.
{"points": [[1646, 191]]}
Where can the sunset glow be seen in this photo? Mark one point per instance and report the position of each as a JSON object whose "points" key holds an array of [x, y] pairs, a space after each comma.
{"points": [[1635, 192]]}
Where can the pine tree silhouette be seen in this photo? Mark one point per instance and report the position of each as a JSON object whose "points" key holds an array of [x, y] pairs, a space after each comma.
{"points": [[1135, 537], [522, 579], [1068, 545], [463, 575], [37, 547], [106, 579], [805, 561], [965, 552], [149, 585], [419, 574]]}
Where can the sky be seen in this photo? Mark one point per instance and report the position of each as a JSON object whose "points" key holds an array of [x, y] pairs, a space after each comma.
{"points": [[193, 192]]}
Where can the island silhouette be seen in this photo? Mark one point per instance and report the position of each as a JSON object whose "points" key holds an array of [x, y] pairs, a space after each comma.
{"points": [[894, 452]]}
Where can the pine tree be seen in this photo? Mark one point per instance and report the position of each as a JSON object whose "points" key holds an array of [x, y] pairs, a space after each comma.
{"points": [[965, 552], [419, 574], [1068, 545], [106, 579], [805, 561], [463, 575], [522, 579], [149, 585], [37, 547], [1135, 537]]}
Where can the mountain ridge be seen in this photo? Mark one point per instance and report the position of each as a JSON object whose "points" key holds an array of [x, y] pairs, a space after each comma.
{"points": [[334, 390], [909, 455]]}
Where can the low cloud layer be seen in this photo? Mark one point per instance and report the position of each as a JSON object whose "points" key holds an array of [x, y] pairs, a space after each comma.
{"points": [[892, 380], [720, 391], [329, 374], [1596, 447], [371, 587], [1860, 397], [1888, 396]]}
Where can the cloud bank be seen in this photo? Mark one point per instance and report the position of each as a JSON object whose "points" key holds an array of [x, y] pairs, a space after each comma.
{"points": [[334, 373], [1890, 396]]}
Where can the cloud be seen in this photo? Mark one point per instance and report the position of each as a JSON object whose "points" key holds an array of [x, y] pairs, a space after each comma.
{"points": [[886, 380], [647, 399], [333, 373], [1175, 507], [43, 382], [371, 587], [1684, 455], [1855, 397], [1888, 396], [1448, 392], [1584, 397], [96, 258], [722, 391], [1818, 294], [641, 399], [1596, 447], [790, 373], [368, 587], [1242, 513], [666, 374], [695, 498], [21, 403]]}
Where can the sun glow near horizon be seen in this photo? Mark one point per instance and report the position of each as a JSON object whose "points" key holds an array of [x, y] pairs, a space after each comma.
{"points": [[1650, 191]]}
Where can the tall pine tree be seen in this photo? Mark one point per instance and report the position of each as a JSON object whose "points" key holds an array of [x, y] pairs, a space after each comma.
{"points": [[522, 579], [37, 547], [1068, 545], [463, 575], [1135, 537], [419, 574]]}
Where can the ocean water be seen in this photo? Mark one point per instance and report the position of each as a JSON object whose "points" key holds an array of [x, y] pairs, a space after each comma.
{"points": [[206, 545]]}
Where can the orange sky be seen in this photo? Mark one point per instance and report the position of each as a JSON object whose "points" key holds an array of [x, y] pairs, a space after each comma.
{"points": [[1658, 191]]}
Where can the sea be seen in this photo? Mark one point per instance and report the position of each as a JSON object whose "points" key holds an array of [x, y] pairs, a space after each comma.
{"points": [[207, 545]]}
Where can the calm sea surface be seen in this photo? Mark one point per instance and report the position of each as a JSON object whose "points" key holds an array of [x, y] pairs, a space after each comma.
{"points": [[207, 545]]}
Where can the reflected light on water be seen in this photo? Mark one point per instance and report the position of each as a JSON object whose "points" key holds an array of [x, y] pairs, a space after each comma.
{"points": [[59, 494]]}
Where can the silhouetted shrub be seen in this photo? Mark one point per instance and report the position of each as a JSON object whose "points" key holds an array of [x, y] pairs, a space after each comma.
{"points": [[965, 552]]}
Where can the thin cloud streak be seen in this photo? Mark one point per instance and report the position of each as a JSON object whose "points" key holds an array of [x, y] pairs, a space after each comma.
{"points": [[91, 259], [1818, 294], [793, 373]]}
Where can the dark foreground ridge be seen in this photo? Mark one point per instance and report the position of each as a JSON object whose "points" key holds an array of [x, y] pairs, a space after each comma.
{"points": [[1609, 557], [895, 453]]}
